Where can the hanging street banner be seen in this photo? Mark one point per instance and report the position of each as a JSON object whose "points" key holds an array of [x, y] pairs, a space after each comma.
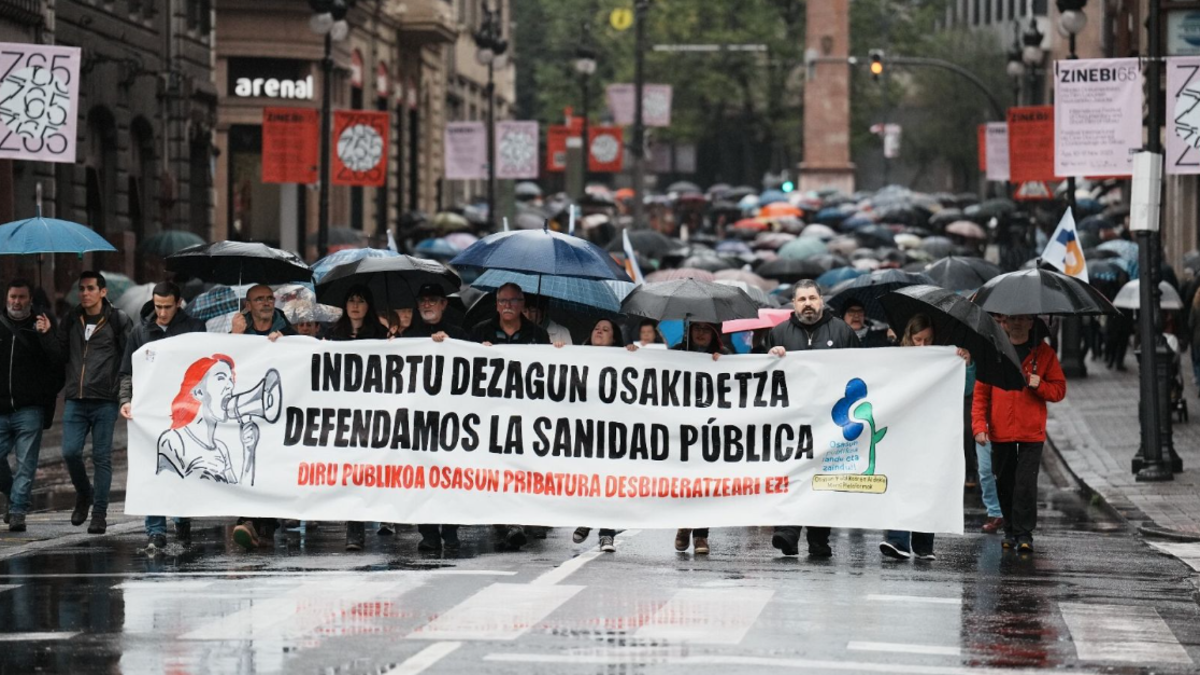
{"points": [[39, 102], [1097, 116], [516, 149], [656, 104], [289, 146], [360, 148], [556, 147], [606, 149], [1183, 115], [996, 150], [415, 431], [1031, 143], [466, 150]]}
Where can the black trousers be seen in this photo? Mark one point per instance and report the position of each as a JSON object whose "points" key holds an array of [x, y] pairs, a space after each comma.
{"points": [[1017, 466]]}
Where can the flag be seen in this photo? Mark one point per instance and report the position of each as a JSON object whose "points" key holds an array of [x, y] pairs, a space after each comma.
{"points": [[631, 264], [392, 243], [1063, 250]]}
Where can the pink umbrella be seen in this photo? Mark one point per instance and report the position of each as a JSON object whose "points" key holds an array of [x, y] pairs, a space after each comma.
{"points": [[767, 318], [966, 229], [748, 277]]}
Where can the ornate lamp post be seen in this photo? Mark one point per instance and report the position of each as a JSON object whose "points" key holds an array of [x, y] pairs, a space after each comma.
{"points": [[585, 65], [329, 20], [1032, 54], [490, 47], [1071, 21]]}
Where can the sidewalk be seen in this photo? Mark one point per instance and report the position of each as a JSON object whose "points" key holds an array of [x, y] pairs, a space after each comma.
{"points": [[1096, 432]]}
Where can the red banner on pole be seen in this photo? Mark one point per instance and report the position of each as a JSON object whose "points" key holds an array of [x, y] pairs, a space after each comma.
{"points": [[360, 148], [556, 147], [606, 149], [289, 146], [981, 142], [1031, 144]]}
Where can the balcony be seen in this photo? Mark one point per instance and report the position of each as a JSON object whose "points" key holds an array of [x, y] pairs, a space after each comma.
{"points": [[23, 11], [427, 22]]}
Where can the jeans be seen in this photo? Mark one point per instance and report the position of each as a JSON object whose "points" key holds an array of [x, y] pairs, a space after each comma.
{"points": [[1017, 466], [913, 542], [99, 417], [21, 434], [158, 524], [987, 480]]}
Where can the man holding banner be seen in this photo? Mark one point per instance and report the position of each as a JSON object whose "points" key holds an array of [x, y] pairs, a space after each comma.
{"points": [[811, 326]]}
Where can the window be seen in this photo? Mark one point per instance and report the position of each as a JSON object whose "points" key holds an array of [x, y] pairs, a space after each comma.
{"points": [[199, 16]]}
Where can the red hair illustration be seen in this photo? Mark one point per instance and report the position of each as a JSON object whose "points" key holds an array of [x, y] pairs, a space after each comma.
{"points": [[185, 406]]}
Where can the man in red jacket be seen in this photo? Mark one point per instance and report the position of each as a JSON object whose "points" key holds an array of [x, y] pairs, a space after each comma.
{"points": [[1015, 423]]}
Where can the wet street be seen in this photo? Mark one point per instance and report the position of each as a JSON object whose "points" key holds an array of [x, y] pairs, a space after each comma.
{"points": [[1094, 598]]}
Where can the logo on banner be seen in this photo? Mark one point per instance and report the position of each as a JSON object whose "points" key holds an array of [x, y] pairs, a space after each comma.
{"points": [[202, 416], [361, 148], [854, 414], [1074, 259]]}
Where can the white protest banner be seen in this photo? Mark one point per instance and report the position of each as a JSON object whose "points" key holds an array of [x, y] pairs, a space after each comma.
{"points": [[417, 431], [39, 102], [656, 104], [1183, 110], [996, 150], [466, 150], [1097, 116], [516, 149]]}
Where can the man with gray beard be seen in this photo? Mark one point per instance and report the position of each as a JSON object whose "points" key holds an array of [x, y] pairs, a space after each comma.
{"points": [[811, 326]]}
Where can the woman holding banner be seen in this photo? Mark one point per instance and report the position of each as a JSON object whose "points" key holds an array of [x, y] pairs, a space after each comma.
{"points": [[359, 321], [604, 333], [704, 338], [900, 544]]}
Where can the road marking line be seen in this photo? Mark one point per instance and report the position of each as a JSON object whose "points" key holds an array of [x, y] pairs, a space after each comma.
{"points": [[902, 648], [22, 637], [574, 564], [498, 612], [1130, 633], [233, 574], [763, 662], [423, 659], [1189, 553], [923, 599], [8, 587], [70, 539], [710, 615]]}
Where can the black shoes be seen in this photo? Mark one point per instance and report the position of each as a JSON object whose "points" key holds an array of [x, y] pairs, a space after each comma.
{"points": [[430, 544], [450, 538], [893, 551], [819, 550], [83, 504], [1025, 545], [99, 523], [157, 542], [514, 537], [786, 545], [16, 522], [356, 536]]}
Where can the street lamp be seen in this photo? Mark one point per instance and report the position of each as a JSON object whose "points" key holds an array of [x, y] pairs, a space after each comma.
{"points": [[1016, 67], [585, 65], [329, 20], [490, 46], [1032, 54], [1072, 20]]}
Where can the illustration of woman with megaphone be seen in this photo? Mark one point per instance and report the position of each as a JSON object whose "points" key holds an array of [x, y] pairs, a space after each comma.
{"points": [[190, 448]]}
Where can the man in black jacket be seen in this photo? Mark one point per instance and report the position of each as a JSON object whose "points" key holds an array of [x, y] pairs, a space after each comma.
{"points": [[431, 305], [93, 338], [30, 377], [167, 321], [811, 326]]}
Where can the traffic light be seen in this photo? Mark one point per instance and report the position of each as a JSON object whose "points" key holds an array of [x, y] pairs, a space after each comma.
{"points": [[876, 64]]}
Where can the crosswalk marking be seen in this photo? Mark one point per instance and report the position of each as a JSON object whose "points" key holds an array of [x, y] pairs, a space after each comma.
{"points": [[923, 599], [1128, 633], [498, 612], [425, 658], [1189, 552], [903, 648], [8, 587], [32, 637], [710, 615]]}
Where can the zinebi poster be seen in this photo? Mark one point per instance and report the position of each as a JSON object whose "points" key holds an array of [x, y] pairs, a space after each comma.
{"points": [[1097, 116], [39, 102], [1031, 143], [1183, 115]]}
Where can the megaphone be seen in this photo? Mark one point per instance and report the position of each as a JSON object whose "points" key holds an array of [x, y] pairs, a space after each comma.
{"points": [[265, 400]]}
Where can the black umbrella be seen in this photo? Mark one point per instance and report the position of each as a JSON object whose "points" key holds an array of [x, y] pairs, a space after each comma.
{"points": [[945, 217], [684, 186], [238, 262], [789, 270], [962, 273], [649, 243], [875, 236], [828, 261], [1041, 291], [689, 300], [938, 247], [710, 263], [959, 322], [867, 289], [394, 282]]}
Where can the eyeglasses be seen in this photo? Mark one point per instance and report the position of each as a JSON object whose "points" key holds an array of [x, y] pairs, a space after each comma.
{"points": [[510, 301], [265, 298]]}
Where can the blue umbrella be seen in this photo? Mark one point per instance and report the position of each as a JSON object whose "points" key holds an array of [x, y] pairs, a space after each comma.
{"points": [[588, 293], [1126, 251], [830, 215], [435, 248], [49, 235], [324, 265], [541, 252], [837, 275], [771, 197]]}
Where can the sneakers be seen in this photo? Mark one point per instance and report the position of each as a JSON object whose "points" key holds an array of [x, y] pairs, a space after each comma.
{"points": [[1024, 546], [892, 551], [156, 542], [786, 545], [16, 522], [683, 538], [992, 525], [818, 550], [581, 534], [1009, 542], [700, 546], [925, 555], [607, 545], [245, 536], [183, 532], [83, 503], [515, 537], [99, 524], [386, 529]]}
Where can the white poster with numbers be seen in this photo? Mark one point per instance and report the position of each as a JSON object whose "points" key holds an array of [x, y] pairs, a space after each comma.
{"points": [[1183, 115], [39, 102], [415, 431], [1097, 116]]}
